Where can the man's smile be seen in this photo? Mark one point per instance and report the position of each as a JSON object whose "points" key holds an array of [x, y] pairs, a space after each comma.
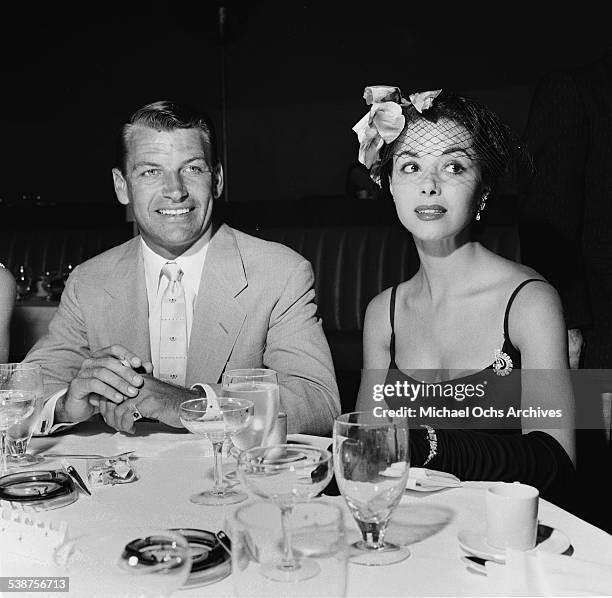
{"points": [[174, 211]]}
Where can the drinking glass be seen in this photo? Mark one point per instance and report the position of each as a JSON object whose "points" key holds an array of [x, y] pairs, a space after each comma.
{"points": [[22, 377], [371, 463], [285, 474], [23, 281], [67, 271], [257, 546], [52, 284], [135, 562], [261, 387], [15, 406], [203, 417]]}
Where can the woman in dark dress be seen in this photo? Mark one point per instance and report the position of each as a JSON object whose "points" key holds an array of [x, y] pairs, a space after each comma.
{"points": [[468, 316]]}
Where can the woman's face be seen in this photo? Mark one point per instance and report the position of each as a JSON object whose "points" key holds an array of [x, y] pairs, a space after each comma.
{"points": [[435, 180]]}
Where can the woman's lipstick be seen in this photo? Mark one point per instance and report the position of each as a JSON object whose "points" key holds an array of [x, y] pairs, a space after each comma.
{"points": [[430, 212]]}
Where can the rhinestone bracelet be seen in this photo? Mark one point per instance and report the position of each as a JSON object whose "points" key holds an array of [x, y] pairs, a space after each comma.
{"points": [[433, 443]]}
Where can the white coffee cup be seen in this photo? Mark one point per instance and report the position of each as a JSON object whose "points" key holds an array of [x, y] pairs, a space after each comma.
{"points": [[512, 515]]}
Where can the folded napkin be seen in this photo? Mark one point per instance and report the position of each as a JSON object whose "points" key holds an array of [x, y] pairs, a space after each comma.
{"points": [[544, 574], [419, 479], [424, 480]]}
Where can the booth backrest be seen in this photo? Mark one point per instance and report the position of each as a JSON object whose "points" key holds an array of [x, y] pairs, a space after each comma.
{"points": [[54, 249], [357, 249], [352, 264]]}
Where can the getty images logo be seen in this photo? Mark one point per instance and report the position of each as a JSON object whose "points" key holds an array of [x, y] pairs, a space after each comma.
{"points": [[413, 391]]}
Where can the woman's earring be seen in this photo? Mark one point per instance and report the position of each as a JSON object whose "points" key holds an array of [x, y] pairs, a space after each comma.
{"points": [[483, 203]]}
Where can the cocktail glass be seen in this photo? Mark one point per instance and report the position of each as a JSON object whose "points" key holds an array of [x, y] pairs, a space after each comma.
{"points": [[201, 416], [286, 474]]}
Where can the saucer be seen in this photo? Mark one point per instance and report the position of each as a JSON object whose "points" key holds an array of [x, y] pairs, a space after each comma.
{"points": [[474, 564], [475, 543], [418, 486]]}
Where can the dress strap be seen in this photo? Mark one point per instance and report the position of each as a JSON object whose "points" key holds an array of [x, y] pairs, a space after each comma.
{"points": [[514, 294], [392, 319]]}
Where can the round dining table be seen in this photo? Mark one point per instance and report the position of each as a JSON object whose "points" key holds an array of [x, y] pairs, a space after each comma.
{"points": [[171, 465]]}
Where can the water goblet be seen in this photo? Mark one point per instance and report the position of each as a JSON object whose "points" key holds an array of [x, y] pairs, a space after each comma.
{"points": [[371, 463], [259, 385], [128, 562], [67, 271], [23, 281], [216, 422], [286, 474], [22, 377], [15, 406], [53, 285], [318, 536]]}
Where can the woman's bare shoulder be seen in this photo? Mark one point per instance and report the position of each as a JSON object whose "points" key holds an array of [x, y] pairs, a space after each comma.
{"points": [[379, 306], [503, 274], [536, 299], [505, 268]]}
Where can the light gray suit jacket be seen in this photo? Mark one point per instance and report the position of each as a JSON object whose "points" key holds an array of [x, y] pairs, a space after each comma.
{"points": [[255, 308]]}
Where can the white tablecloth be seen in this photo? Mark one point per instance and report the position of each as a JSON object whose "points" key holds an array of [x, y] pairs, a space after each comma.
{"points": [[173, 466]]}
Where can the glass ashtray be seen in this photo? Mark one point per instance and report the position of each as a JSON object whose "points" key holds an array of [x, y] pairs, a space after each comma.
{"points": [[49, 489], [210, 562]]}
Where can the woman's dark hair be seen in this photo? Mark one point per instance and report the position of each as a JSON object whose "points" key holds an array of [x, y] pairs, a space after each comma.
{"points": [[167, 116], [496, 148]]}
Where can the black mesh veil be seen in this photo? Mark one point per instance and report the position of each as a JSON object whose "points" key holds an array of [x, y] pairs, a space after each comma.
{"points": [[457, 121]]}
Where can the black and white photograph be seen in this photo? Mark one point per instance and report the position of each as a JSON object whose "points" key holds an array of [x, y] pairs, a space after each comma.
{"points": [[305, 299]]}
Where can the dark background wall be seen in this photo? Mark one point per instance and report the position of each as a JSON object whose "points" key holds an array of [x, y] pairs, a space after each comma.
{"points": [[295, 73]]}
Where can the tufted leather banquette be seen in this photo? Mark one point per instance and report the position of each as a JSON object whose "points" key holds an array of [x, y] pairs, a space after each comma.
{"points": [[357, 249]]}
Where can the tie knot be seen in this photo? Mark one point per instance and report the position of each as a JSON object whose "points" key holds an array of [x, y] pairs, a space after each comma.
{"points": [[172, 271]]}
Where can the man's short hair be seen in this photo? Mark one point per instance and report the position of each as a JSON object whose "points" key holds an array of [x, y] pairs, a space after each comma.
{"points": [[167, 116]]}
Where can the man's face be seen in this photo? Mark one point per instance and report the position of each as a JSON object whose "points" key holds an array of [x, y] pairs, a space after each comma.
{"points": [[170, 185]]}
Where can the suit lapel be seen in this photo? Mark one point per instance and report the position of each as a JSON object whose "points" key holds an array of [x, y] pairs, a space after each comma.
{"points": [[218, 316], [126, 306]]}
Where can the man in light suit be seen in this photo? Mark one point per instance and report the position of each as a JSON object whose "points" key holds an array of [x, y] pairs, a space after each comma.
{"points": [[247, 302]]}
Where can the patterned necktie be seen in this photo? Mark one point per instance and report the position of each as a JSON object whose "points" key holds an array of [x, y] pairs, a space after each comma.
{"points": [[173, 328]]}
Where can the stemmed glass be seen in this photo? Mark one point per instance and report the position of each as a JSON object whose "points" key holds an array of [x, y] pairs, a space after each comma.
{"points": [[285, 474], [22, 377], [23, 281], [216, 420], [67, 271], [257, 544], [52, 284], [135, 561], [371, 463]]}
